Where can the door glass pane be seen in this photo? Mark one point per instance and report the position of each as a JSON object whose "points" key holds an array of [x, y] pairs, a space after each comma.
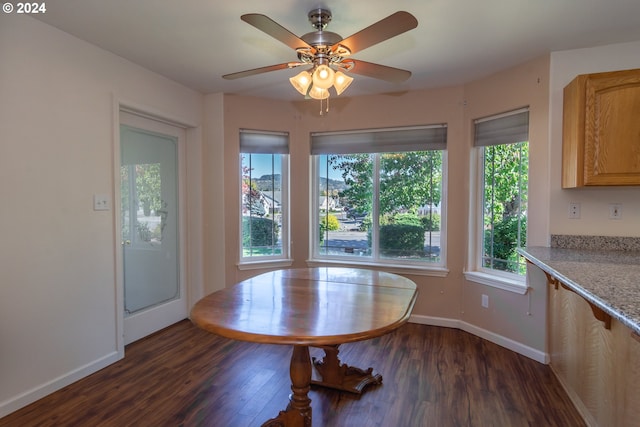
{"points": [[149, 202]]}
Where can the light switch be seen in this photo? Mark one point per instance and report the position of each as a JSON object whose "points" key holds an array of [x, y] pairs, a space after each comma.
{"points": [[101, 202]]}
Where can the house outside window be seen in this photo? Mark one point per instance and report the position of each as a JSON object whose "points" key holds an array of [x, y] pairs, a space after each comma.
{"points": [[499, 211], [264, 165], [378, 198]]}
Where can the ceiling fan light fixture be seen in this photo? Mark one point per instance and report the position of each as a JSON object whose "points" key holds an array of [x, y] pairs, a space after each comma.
{"points": [[301, 82], [328, 54], [323, 77], [341, 82], [318, 93]]}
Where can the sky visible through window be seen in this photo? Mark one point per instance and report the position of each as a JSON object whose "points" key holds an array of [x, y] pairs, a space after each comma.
{"points": [[262, 166]]}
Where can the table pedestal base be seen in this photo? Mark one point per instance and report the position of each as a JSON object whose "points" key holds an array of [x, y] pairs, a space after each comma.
{"points": [[331, 373], [289, 418], [298, 412]]}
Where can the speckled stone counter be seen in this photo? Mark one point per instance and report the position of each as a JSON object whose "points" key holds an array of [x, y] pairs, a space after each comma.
{"points": [[609, 279]]}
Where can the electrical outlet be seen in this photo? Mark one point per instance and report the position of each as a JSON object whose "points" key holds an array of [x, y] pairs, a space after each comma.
{"points": [[101, 202], [574, 210], [485, 301], [615, 211]]}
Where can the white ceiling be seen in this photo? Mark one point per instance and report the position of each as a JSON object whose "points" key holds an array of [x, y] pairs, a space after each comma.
{"points": [[195, 42]]}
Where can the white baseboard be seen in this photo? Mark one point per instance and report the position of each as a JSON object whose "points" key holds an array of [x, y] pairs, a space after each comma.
{"points": [[525, 350], [36, 393]]}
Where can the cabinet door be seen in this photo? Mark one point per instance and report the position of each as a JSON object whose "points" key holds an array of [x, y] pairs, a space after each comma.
{"points": [[612, 129]]}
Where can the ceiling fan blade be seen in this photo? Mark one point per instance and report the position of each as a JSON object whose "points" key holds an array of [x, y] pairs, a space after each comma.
{"points": [[382, 30], [260, 70], [377, 71], [275, 30]]}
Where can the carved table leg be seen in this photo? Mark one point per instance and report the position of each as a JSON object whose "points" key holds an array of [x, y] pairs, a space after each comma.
{"points": [[298, 412], [331, 373]]}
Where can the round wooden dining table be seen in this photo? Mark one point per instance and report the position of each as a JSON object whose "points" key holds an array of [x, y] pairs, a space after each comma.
{"points": [[318, 307]]}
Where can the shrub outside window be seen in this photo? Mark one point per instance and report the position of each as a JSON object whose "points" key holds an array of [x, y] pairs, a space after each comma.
{"points": [[264, 207], [378, 196]]}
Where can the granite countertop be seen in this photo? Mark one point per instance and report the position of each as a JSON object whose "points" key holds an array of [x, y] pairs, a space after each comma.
{"points": [[609, 279]]}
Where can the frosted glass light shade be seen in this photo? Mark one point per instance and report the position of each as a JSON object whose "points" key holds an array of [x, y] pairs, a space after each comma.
{"points": [[318, 93], [341, 82], [301, 82], [323, 77]]}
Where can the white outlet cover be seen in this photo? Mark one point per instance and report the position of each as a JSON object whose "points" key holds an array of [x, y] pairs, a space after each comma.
{"points": [[574, 210], [615, 211], [101, 202]]}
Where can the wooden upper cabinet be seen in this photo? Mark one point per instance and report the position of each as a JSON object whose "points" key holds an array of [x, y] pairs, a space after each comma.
{"points": [[601, 130]]}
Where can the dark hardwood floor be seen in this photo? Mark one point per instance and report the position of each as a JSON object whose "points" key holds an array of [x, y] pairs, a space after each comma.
{"points": [[432, 376]]}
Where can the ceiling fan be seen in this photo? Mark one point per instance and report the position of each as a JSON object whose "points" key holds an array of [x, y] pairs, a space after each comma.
{"points": [[328, 54]]}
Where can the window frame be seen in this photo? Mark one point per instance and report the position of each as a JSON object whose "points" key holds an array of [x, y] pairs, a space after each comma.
{"points": [[438, 269], [254, 147], [475, 271]]}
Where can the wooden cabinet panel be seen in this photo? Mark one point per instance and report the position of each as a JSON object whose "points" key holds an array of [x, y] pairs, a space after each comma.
{"points": [[630, 371], [598, 367], [601, 130]]}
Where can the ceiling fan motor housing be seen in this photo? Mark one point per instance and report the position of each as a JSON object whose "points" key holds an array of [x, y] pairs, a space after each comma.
{"points": [[319, 19], [322, 41]]}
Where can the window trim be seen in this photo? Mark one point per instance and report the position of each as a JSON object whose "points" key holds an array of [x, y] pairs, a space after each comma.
{"points": [[268, 261], [475, 272], [496, 280], [416, 270], [439, 269]]}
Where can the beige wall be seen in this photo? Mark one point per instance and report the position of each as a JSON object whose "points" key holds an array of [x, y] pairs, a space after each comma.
{"points": [[449, 300], [59, 317], [212, 195], [512, 316], [261, 114]]}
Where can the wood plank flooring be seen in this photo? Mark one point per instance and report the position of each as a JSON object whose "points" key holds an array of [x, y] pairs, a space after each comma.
{"points": [[432, 376]]}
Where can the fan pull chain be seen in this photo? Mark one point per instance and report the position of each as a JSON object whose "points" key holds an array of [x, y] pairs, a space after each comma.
{"points": [[327, 109]]}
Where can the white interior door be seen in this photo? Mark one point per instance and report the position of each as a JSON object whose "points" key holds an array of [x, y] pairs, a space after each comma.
{"points": [[154, 293]]}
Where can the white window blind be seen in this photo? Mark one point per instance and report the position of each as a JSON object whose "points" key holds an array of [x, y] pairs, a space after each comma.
{"points": [[389, 140], [262, 142], [507, 128]]}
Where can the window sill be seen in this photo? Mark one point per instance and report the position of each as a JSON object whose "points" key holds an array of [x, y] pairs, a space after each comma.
{"points": [[388, 267], [495, 281], [270, 263]]}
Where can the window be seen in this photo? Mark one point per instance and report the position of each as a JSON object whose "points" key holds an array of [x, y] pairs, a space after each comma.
{"points": [[500, 213], [378, 197], [264, 163]]}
